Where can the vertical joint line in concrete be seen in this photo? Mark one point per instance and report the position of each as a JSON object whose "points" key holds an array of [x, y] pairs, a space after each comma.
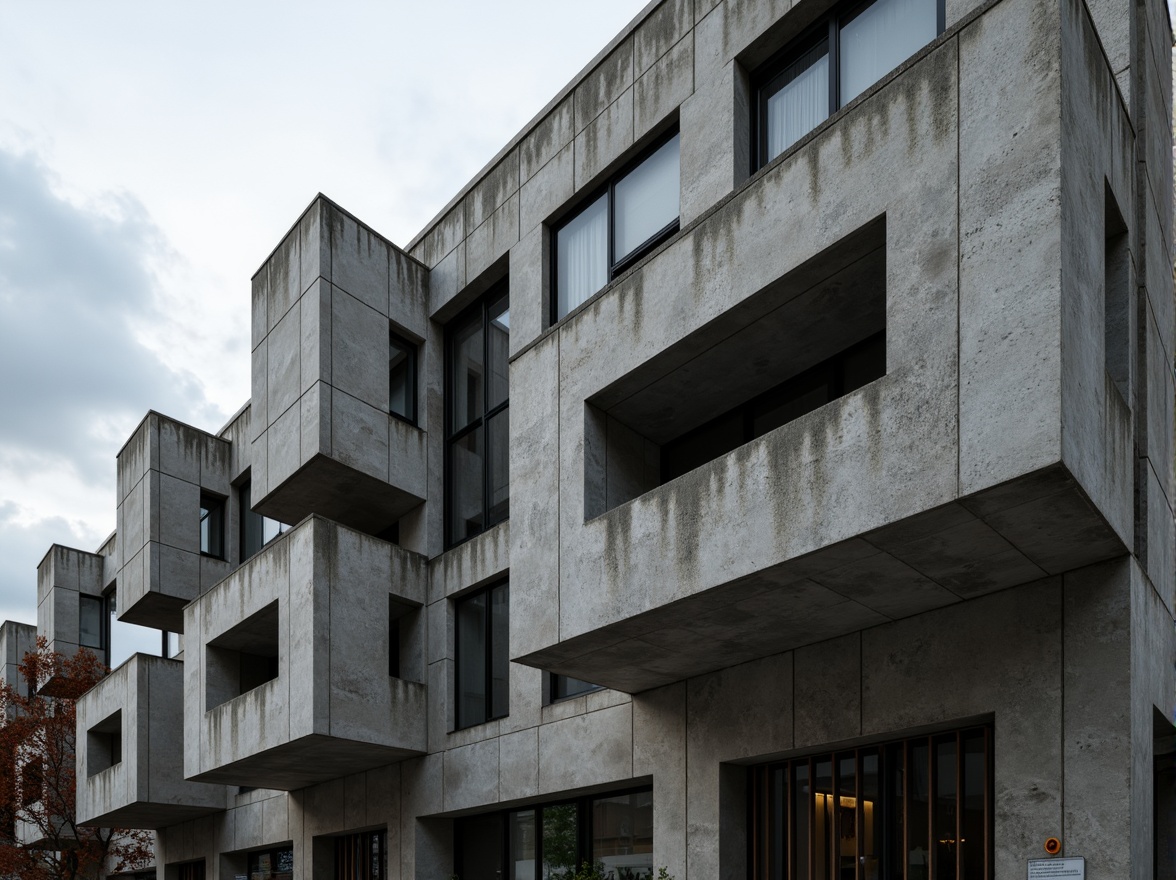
{"points": [[959, 276]]}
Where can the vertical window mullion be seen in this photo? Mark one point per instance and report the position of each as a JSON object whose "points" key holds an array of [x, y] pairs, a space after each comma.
{"points": [[959, 829], [612, 232], [811, 806]]}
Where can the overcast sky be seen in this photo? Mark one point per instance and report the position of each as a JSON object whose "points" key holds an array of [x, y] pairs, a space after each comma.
{"points": [[151, 156]]}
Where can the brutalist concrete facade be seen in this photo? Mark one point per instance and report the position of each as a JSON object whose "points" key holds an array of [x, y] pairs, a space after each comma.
{"points": [[982, 536]]}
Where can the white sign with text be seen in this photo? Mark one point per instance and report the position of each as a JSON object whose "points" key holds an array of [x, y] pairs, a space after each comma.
{"points": [[1057, 869]]}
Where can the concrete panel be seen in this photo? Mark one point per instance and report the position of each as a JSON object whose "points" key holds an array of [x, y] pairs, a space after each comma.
{"points": [[359, 260], [491, 192], [315, 312], [471, 775], [659, 32], [604, 140], [283, 370], [359, 435], [662, 88], [604, 85], [549, 137], [518, 767], [497, 234], [359, 350], [586, 750], [1010, 260], [528, 287], [827, 688], [544, 193]]}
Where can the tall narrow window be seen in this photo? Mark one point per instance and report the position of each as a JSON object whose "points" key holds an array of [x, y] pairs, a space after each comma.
{"points": [[483, 661], [91, 622], [1116, 302], [477, 426], [917, 808], [212, 526], [801, 86], [402, 378], [635, 211], [274, 864]]}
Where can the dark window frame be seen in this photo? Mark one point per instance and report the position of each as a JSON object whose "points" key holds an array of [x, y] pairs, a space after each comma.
{"points": [[493, 295], [245, 511], [615, 266], [363, 842], [215, 505], [584, 836], [827, 28], [104, 612], [410, 349], [487, 657], [762, 844], [558, 691]]}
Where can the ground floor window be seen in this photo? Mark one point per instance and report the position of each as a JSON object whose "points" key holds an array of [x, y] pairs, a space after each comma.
{"points": [[612, 831], [192, 871], [362, 856], [916, 809], [272, 864]]}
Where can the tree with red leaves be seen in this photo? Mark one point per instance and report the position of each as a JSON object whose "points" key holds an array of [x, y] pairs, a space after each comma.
{"points": [[39, 835]]}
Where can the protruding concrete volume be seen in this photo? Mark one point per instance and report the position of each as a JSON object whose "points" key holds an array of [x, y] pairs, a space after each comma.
{"points": [[130, 750], [287, 671]]}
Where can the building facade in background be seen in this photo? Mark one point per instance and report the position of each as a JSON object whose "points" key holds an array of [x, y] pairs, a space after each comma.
{"points": [[763, 468]]}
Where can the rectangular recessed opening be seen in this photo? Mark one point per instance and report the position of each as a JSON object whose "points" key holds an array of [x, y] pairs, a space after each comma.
{"points": [[1116, 304], [812, 336], [244, 658], [104, 744]]}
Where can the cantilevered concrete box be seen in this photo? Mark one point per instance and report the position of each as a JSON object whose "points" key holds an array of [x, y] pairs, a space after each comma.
{"points": [[286, 663], [64, 577], [130, 750], [996, 449], [323, 440], [163, 471]]}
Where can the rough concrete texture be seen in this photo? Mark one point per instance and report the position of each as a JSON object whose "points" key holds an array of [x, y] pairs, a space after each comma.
{"points": [[64, 575], [163, 471], [146, 788], [332, 708], [983, 535]]}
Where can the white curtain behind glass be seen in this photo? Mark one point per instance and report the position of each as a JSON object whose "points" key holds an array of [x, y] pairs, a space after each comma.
{"points": [[799, 106], [647, 199], [881, 38], [582, 256]]}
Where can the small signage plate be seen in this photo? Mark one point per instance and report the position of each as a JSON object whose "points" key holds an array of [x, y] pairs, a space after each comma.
{"points": [[1057, 869]]}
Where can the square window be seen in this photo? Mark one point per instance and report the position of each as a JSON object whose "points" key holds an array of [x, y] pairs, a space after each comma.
{"points": [[91, 622], [803, 85], [212, 526], [483, 662], [637, 210]]}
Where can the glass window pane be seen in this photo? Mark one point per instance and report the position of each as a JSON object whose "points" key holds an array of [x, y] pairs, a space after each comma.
{"points": [[800, 102], [822, 818], [478, 848], [498, 346], [90, 622], [802, 801], [943, 833], [465, 486], [560, 840], [498, 460], [565, 686], [973, 822], [582, 256], [880, 38], [846, 808], [499, 650], [646, 199], [466, 371], [522, 845], [871, 815], [894, 856], [471, 660], [212, 532], [401, 378], [918, 811], [271, 528], [622, 834]]}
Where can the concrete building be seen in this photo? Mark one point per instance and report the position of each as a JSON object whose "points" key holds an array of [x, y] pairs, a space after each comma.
{"points": [[763, 468]]}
